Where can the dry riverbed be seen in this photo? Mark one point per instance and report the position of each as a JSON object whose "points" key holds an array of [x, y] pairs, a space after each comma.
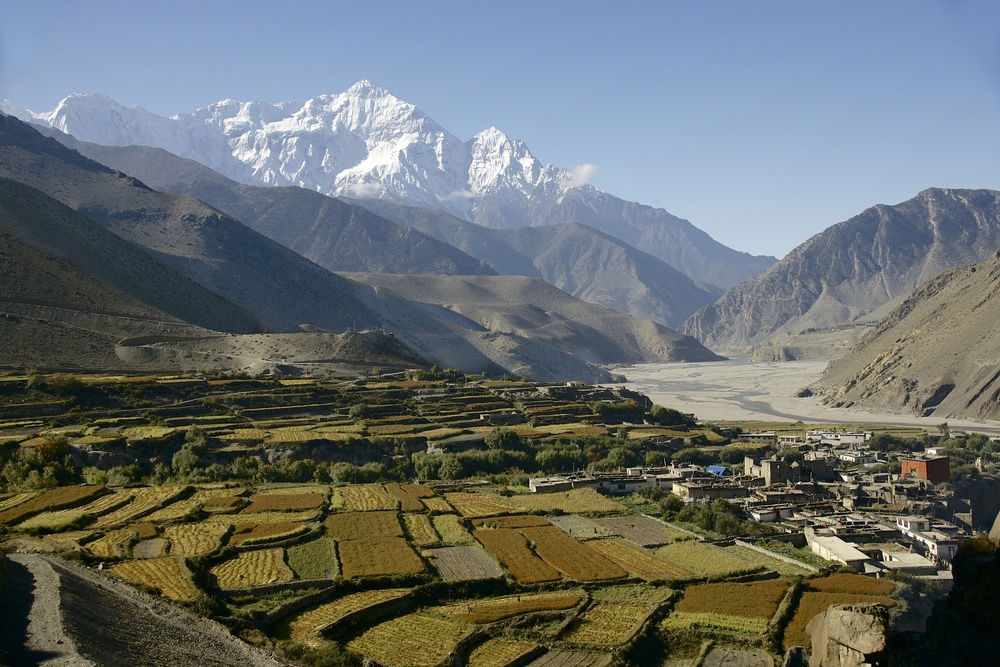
{"points": [[739, 390]]}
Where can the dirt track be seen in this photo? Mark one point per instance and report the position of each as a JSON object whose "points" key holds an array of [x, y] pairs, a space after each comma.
{"points": [[53, 612]]}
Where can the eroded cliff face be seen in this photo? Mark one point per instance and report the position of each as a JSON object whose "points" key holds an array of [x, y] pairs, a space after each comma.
{"points": [[849, 635]]}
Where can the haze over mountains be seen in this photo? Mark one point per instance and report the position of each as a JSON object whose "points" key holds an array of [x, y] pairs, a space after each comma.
{"points": [[344, 236], [265, 283], [855, 271], [366, 144]]}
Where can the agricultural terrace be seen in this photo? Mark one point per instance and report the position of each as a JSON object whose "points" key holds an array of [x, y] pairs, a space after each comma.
{"points": [[451, 530], [366, 498], [168, 574], [580, 527], [252, 568], [501, 653], [363, 525], [608, 624], [306, 627], [195, 539], [706, 559], [638, 562], [55, 499], [643, 530], [491, 610], [414, 640], [258, 533], [740, 608], [464, 563], [420, 529], [574, 559], [315, 559], [576, 501], [511, 548], [410, 496], [514, 521], [386, 556], [474, 505], [273, 502], [844, 582]]}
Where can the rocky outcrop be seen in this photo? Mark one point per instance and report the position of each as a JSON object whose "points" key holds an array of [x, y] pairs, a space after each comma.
{"points": [[849, 635], [855, 271]]}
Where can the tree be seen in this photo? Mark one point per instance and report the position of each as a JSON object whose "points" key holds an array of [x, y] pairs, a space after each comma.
{"points": [[504, 438]]}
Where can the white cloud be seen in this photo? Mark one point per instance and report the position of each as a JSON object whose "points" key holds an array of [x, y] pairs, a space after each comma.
{"points": [[581, 175], [366, 190], [457, 195]]}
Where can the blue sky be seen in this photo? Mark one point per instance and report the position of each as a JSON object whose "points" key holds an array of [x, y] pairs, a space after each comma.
{"points": [[760, 122]]}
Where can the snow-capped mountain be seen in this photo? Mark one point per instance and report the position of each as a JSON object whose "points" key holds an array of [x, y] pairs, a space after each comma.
{"points": [[367, 144]]}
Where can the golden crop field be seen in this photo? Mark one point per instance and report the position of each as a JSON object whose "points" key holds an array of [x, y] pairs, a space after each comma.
{"points": [[501, 652], [414, 640], [307, 627], [17, 499], [842, 582], [114, 544], [377, 557], [195, 539], [491, 610], [512, 521], [437, 504], [639, 562], [757, 558], [363, 525], [57, 520], [366, 498], [511, 548], [169, 574], [574, 559], [813, 603], [182, 510], [632, 594], [292, 490], [290, 502], [420, 530], [259, 533], [54, 499], [452, 530], [705, 559], [576, 501], [473, 505], [140, 433], [608, 624], [409, 495], [758, 599], [144, 501], [740, 625], [252, 568]]}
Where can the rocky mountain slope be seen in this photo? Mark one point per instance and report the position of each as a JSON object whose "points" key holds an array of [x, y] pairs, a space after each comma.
{"points": [[281, 289], [344, 236], [936, 354], [529, 309], [580, 260], [333, 233], [366, 143], [855, 271]]}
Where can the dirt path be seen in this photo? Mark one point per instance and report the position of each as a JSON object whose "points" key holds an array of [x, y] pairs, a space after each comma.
{"points": [[57, 613]]}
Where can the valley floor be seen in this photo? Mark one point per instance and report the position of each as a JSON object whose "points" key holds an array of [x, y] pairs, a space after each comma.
{"points": [[739, 390]]}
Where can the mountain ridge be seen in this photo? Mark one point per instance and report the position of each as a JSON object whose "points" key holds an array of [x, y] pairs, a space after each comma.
{"points": [[855, 271], [366, 143]]}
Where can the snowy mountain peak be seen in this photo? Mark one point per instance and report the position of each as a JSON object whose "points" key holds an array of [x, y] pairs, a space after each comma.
{"points": [[363, 142]]}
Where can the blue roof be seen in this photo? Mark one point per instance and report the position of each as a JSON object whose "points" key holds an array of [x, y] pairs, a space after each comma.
{"points": [[717, 470]]}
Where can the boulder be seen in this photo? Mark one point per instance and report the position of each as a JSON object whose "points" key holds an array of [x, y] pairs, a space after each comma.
{"points": [[849, 635]]}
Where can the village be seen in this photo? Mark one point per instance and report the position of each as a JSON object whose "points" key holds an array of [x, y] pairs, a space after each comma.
{"points": [[871, 522]]}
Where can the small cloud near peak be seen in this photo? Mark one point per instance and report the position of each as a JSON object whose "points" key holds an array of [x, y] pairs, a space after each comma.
{"points": [[581, 175]]}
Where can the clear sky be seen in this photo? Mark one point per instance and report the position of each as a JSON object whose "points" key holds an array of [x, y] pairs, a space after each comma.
{"points": [[760, 122]]}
